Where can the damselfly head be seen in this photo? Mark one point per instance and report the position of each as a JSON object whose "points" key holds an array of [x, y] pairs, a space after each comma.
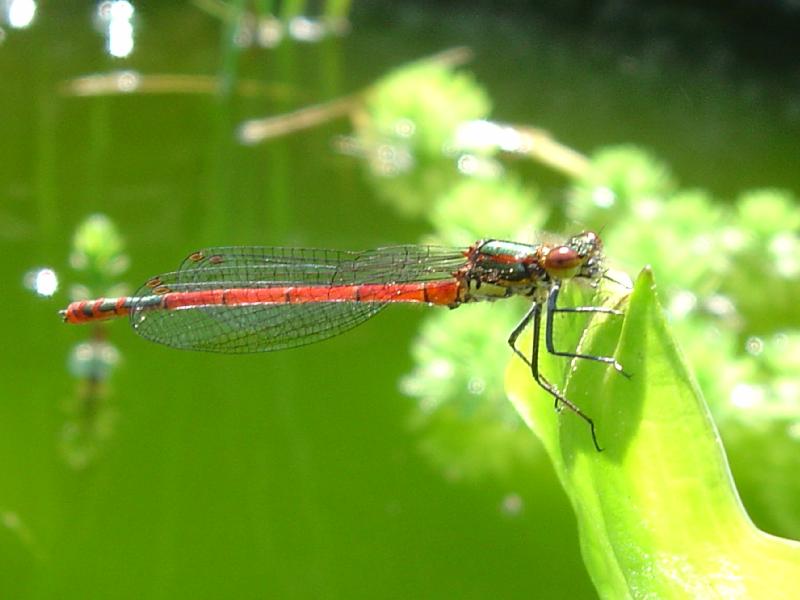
{"points": [[581, 256], [586, 243]]}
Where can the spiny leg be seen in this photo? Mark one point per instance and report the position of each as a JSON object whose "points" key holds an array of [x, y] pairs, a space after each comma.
{"points": [[535, 314], [512, 339], [552, 309]]}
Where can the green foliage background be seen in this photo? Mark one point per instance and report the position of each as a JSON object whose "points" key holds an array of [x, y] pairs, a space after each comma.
{"points": [[131, 470]]}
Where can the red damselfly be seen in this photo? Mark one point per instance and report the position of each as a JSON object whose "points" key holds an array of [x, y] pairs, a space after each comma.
{"points": [[256, 299]]}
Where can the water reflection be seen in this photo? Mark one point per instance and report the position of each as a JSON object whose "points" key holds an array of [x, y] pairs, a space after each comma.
{"points": [[19, 14], [115, 20], [43, 282], [264, 29], [90, 417], [99, 258], [305, 29], [357, 107], [128, 81]]}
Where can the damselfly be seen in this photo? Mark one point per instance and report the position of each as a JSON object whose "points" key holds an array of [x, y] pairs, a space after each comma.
{"points": [[257, 299]]}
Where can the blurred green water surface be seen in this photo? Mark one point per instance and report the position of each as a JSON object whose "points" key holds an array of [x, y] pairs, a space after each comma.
{"points": [[289, 475]]}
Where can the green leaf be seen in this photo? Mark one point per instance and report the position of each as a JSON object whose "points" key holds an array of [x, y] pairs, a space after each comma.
{"points": [[657, 510]]}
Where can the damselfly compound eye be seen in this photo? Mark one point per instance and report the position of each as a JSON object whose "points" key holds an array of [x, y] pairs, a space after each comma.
{"points": [[562, 261]]}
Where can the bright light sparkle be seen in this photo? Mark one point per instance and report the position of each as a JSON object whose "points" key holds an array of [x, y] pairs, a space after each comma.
{"points": [[405, 128], [754, 346], [304, 29], [120, 38], [747, 396], [269, 32], [44, 282], [442, 368], [481, 134], [784, 248], [476, 386], [21, 13], [122, 10], [682, 304], [603, 197], [117, 20], [649, 208], [128, 81], [475, 166]]}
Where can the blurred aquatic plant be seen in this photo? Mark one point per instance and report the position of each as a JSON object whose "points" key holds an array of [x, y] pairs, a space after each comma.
{"points": [[418, 110], [764, 244], [267, 23], [254, 131], [728, 273], [467, 426], [426, 127], [98, 257], [761, 427], [407, 129], [90, 419], [488, 207], [617, 178]]}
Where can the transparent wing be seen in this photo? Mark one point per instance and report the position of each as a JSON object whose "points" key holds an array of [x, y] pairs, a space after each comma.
{"points": [[245, 328], [291, 266]]}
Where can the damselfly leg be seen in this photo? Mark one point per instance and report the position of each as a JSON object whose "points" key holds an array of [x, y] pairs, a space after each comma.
{"points": [[552, 309], [534, 315]]}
